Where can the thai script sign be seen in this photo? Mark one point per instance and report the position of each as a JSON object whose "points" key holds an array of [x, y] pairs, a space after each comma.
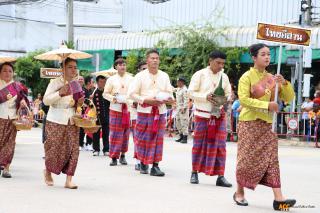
{"points": [[284, 34], [50, 73]]}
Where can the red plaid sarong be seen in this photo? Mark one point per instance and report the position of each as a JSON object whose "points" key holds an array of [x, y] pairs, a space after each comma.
{"points": [[213, 123], [119, 135], [149, 144], [8, 133], [155, 114], [133, 129], [209, 153], [125, 116]]}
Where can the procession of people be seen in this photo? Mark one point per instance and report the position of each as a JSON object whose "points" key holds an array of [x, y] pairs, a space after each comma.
{"points": [[124, 103]]}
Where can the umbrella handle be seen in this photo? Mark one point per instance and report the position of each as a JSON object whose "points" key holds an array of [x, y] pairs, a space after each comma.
{"points": [[64, 71], [94, 91]]}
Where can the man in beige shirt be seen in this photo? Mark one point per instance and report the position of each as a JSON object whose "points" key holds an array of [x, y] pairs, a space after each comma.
{"points": [[209, 143], [115, 91], [152, 90]]}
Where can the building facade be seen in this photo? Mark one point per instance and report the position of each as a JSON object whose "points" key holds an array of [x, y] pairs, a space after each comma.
{"points": [[41, 24]]}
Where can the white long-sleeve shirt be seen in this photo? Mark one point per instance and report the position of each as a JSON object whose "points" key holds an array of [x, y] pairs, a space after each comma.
{"points": [[147, 85], [60, 110], [117, 85], [204, 82]]}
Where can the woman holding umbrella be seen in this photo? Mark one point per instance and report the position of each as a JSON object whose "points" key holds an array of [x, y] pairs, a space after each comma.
{"points": [[61, 135], [12, 96]]}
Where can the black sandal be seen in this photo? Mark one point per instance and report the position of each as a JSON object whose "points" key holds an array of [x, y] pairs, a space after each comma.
{"points": [[243, 202]]}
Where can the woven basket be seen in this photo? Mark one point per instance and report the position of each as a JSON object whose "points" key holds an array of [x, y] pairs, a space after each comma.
{"points": [[86, 123], [92, 129], [24, 122]]}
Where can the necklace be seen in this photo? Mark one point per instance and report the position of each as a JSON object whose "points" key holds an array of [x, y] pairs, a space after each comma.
{"points": [[122, 81], [153, 78]]}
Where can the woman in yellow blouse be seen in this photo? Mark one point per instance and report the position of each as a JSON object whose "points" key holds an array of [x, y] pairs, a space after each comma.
{"points": [[257, 159]]}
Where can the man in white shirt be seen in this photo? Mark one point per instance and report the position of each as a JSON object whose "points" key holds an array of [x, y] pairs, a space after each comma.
{"points": [[306, 107], [209, 143], [152, 90], [115, 91]]}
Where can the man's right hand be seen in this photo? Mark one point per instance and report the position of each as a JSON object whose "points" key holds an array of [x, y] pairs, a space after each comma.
{"points": [[273, 107], [152, 102], [114, 100], [135, 105], [210, 98], [65, 90]]}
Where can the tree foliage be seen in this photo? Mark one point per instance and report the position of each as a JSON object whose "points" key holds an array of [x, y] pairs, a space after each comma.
{"points": [[188, 51], [28, 69]]}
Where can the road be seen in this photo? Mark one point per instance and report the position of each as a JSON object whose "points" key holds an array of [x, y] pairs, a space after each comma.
{"points": [[121, 189]]}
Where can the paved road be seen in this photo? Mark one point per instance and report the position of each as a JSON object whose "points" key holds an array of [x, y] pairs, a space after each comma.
{"points": [[121, 189]]}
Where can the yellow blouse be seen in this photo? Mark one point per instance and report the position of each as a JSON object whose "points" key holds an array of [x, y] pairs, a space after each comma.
{"points": [[254, 109]]}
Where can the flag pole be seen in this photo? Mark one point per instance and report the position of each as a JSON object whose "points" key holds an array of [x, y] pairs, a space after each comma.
{"points": [[274, 120]]}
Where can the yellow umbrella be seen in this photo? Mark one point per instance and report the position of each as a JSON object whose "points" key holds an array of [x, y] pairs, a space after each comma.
{"points": [[107, 73], [4, 59], [61, 54]]}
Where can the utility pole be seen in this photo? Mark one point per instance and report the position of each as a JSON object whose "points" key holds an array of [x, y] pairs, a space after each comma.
{"points": [[300, 71], [69, 16], [309, 13], [305, 10], [305, 20]]}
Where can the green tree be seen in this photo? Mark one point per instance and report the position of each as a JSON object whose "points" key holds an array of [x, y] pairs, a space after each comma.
{"points": [[132, 62], [195, 44], [85, 73], [69, 44], [28, 69], [134, 58], [188, 50]]}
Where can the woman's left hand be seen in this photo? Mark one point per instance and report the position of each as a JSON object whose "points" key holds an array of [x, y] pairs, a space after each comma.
{"points": [[280, 79], [80, 101], [23, 103]]}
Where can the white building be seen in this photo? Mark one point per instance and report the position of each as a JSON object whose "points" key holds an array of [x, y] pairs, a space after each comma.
{"points": [[41, 24], [241, 16]]}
